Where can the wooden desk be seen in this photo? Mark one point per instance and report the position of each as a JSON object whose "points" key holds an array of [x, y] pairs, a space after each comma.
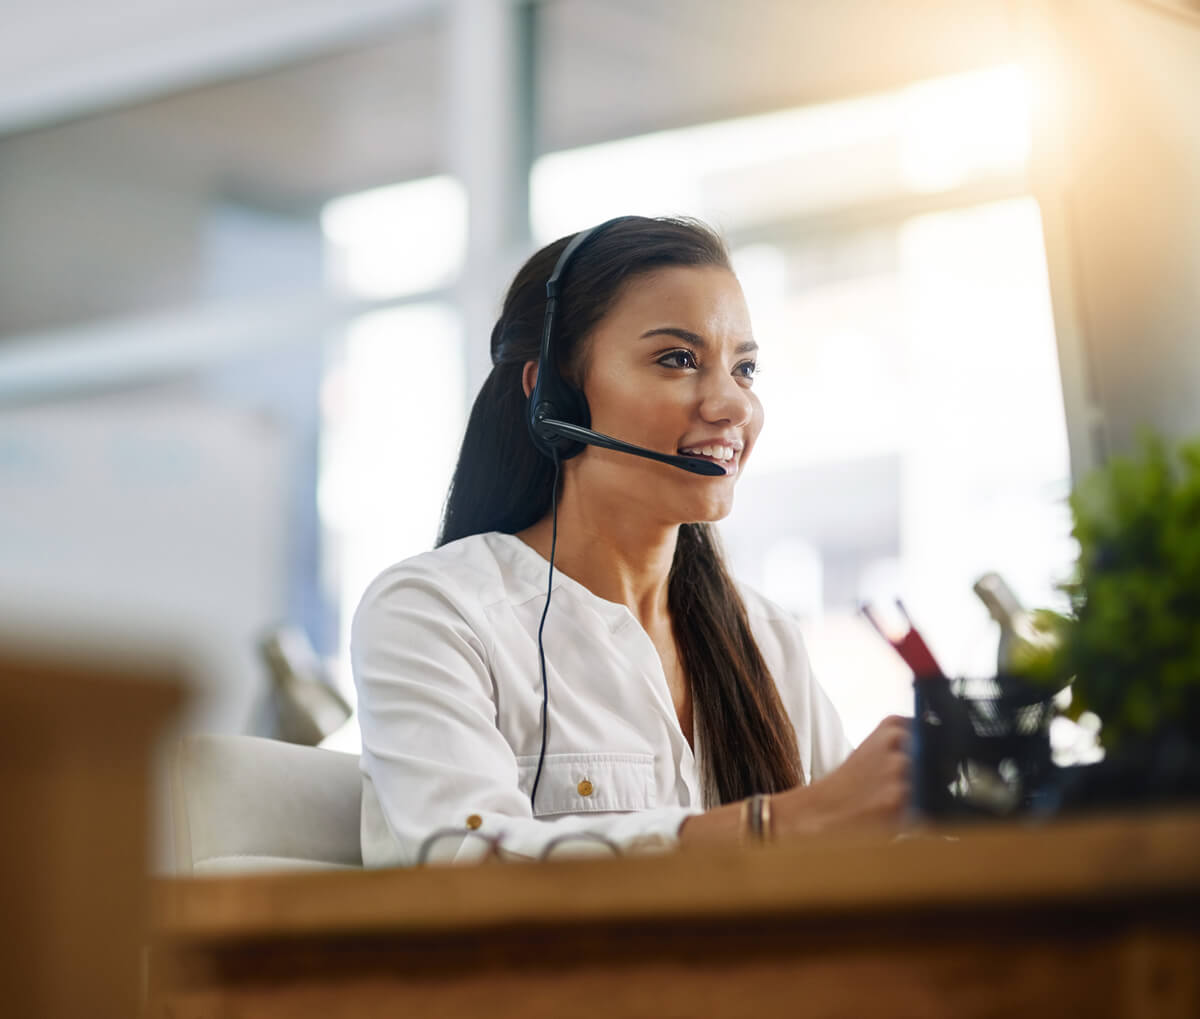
{"points": [[77, 730], [1097, 918]]}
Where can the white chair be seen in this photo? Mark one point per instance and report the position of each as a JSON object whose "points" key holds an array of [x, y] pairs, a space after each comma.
{"points": [[242, 804]]}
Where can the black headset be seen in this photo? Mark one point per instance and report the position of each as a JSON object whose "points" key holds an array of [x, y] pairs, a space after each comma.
{"points": [[559, 418], [559, 426]]}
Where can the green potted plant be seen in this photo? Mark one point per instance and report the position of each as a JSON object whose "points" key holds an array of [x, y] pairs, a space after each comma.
{"points": [[1130, 647]]}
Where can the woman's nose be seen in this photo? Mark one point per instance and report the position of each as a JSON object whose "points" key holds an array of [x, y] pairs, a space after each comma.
{"points": [[724, 398]]}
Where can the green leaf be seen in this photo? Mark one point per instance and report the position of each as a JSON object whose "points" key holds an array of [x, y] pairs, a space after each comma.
{"points": [[1132, 641]]}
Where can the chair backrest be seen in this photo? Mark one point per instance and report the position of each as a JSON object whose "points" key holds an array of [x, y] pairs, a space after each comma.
{"points": [[244, 804]]}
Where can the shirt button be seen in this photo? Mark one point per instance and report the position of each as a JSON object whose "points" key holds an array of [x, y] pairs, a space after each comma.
{"points": [[584, 787], [474, 821]]}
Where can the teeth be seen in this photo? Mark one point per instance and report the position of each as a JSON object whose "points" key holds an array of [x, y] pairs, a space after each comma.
{"points": [[716, 452]]}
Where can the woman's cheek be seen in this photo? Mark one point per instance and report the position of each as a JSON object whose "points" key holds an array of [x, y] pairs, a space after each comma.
{"points": [[756, 424]]}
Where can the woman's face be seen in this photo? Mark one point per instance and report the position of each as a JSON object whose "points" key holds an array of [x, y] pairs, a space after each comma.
{"points": [[671, 367]]}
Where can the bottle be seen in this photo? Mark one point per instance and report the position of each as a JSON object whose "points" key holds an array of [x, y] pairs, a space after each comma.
{"points": [[1020, 640]]}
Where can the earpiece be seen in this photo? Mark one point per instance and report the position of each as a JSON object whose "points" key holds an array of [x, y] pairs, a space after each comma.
{"points": [[553, 397]]}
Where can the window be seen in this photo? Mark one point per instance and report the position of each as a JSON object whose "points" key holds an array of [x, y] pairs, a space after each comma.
{"points": [[893, 261], [392, 241], [392, 401]]}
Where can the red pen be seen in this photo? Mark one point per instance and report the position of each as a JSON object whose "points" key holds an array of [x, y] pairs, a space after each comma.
{"points": [[909, 645]]}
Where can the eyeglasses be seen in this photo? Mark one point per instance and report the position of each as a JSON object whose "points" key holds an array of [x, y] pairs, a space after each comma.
{"points": [[450, 845], [451, 842]]}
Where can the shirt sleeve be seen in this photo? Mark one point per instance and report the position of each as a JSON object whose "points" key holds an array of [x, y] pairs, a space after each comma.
{"points": [[432, 755]]}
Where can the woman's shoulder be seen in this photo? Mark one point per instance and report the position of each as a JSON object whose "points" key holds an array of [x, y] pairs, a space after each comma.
{"points": [[480, 570], [760, 608], [819, 730], [777, 633]]}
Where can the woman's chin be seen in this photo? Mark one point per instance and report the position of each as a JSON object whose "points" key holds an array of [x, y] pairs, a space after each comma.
{"points": [[710, 510]]}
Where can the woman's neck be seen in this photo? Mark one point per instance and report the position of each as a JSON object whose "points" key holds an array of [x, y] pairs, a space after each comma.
{"points": [[619, 559]]}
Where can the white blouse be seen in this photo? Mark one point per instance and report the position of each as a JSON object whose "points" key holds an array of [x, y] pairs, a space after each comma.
{"points": [[445, 658]]}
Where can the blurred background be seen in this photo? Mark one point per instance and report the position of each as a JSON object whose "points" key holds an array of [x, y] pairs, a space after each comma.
{"points": [[250, 255]]}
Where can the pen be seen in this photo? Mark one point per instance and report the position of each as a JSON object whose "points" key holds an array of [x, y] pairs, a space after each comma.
{"points": [[909, 645]]}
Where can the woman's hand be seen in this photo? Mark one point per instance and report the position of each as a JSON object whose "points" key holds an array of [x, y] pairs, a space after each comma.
{"points": [[872, 788]]}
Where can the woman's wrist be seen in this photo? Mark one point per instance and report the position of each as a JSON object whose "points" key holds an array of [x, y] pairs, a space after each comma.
{"points": [[757, 820], [797, 812]]}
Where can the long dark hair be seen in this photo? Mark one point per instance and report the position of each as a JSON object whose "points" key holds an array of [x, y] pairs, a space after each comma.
{"points": [[502, 483]]}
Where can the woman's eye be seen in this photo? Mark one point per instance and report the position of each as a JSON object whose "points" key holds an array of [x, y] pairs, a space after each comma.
{"points": [[678, 359], [746, 370]]}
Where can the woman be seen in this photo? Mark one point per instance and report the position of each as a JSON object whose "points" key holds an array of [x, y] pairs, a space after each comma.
{"points": [[675, 702]]}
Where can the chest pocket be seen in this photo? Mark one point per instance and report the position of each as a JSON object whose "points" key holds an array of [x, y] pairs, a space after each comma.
{"points": [[590, 783]]}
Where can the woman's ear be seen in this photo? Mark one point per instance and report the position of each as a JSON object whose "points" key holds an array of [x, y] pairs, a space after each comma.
{"points": [[529, 377]]}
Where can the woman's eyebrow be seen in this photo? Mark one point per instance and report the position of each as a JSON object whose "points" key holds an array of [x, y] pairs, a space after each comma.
{"points": [[696, 339]]}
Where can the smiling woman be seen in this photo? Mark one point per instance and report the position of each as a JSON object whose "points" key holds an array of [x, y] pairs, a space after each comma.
{"points": [[672, 704]]}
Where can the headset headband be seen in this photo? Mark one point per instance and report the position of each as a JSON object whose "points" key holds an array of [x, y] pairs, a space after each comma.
{"points": [[553, 396]]}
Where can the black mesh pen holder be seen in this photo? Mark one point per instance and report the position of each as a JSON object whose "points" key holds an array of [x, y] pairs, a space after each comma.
{"points": [[981, 748]]}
